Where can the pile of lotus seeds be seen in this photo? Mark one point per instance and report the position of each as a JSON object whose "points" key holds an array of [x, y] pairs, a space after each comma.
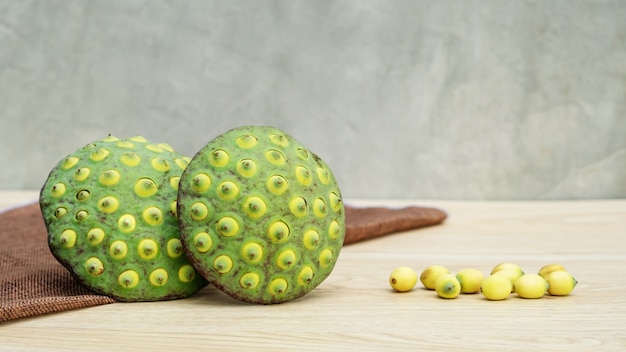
{"points": [[504, 279], [254, 213]]}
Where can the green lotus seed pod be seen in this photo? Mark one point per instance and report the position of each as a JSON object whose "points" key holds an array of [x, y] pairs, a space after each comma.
{"points": [[270, 226], [110, 213]]}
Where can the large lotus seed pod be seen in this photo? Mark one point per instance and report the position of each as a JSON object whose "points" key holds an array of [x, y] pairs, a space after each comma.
{"points": [[261, 217], [110, 211]]}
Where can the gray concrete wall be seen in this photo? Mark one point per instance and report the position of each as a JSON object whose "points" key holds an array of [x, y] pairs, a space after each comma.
{"points": [[404, 99]]}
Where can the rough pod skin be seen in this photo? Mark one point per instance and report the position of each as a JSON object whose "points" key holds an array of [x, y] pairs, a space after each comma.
{"points": [[110, 212], [260, 215]]}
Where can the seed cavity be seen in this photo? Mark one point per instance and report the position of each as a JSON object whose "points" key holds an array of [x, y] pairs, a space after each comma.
{"points": [[69, 162], [319, 208], [186, 273], [227, 190], [323, 175], [277, 185], [298, 206], [82, 195], [60, 212], [255, 207], [278, 231], [286, 259], [246, 167], [174, 248], [95, 236], [130, 159], [126, 223], [108, 204], [278, 286], [147, 248], [199, 211], [152, 216], [145, 187], [57, 190], [311, 239], [227, 226], [275, 157], [252, 252], [219, 158], [249, 280], [128, 279], [94, 266], [246, 141], [99, 154], [279, 139], [118, 249], [223, 264], [158, 277], [201, 182], [81, 173], [325, 258], [335, 202], [160, 164], [202, 241], [303, 175], [334, 229], [67, 238], [302, 153], [81, 215], [305, 276]]}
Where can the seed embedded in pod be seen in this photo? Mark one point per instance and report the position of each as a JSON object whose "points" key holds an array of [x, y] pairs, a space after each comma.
{"points": [[246, 141], [174, 180], [160, 164], [286, 259], [158, 277], [154, 148], [138, 139], [277, 185], [126, 144], [305, 276], [147, 248], [302, 153], [255, 207], [249, 280], [279, 139], [199, 211], [126, 223], [278, 286], [202, 241], [325, 258], [57, 190], [118, 249], [303, 175], [68, 163], [201, 182], [181, 163], [278, 231], [94, 266], [174, 248], [311, 239], [335, 201], [246, 167], [227, 190], [168, 147], [334, 229], [108, 204], [252, 252], [323, 175], [130, 159], [152, 216], [128, 279], [109, 177], [218, 158], [99, 154], [95, 236], [174, 209], [319, 207], [275, 157], [60, 212], [227, 226], [222, 264], [67, 238], [81, 215], [298, 206], [82, 195], [186, 273], [145, 187], [81, 174]]}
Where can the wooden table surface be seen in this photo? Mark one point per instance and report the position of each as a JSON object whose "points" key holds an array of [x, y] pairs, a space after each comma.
{"points": [[355, 309]]}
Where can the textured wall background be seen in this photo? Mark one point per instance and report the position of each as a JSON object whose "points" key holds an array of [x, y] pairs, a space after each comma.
{"points": [[421, 99]]}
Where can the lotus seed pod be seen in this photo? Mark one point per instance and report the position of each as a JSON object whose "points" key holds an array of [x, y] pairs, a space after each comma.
{"points": [[265, 221], [110, 220]]}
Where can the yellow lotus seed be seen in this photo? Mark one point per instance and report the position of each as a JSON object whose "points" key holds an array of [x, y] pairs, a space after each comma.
{"points": [[147, 248], [130, 159], [118, 249], [128, 279], [277, 185], [174, 181], [57, 190], [109, 177], [227, 226], [160, 164], [81, 174], [181, 163], [255, 207], [174, 248], [60, 212], [126, 223], [125, 144], [278, 231], [252, 252], [319, 208], [94, 266], [286, 259], [335, 202], [202, 241], [154, 148], [69, 162], [222, 264], [99, 154], [186, 273], [302, 153], [201, 182], [305, 276], [82, 195], [334, 229], [108, 204], [227, 190], [246, 141], [168, 147], [323, 175], [278, 286], [145, 187], [110, 138], [67, 238], [275, 157], [152, 216], [174, 209], [246, 167], [303, 175], [138, 139], [249, 280], [95, 236], [279, 139], [311, 239], [298, 206], [218, 158], [81, 215], [158, 277], [325, 258], [199, 211]]}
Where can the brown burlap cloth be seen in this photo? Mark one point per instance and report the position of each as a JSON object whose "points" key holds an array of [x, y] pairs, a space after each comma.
{"points": [[32, 282]]}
